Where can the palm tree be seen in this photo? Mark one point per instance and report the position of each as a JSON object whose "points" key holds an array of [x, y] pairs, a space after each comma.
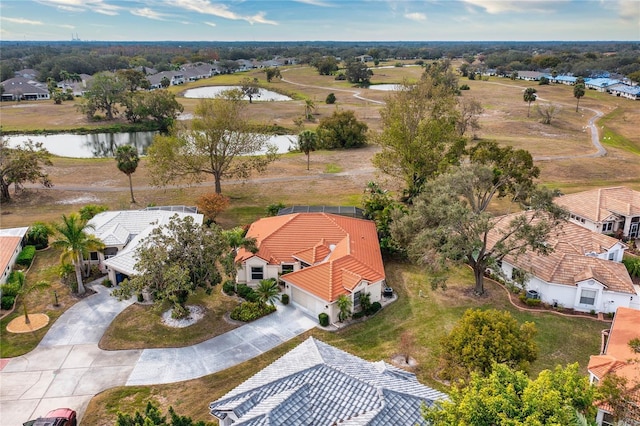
{"points": [[578, 92], [26, 290], [529, 96], [75, 243], [267, 291], [309, 107], [344, 305], [128, 159], [307, 142]]}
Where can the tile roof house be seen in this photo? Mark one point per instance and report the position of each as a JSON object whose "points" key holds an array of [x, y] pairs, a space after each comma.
{"points": [[319, 256], [616, 357], [608, 210], [318, 384], [122, 232], [20, 88], [584, 272], [11, 244]]}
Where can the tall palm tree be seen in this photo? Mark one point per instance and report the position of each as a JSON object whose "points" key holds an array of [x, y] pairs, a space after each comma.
{"points": [[309, 107], [267, 291], [529, 96], [128, 159], [75, 243], [26, 290], [578, 92], [307, 142]]}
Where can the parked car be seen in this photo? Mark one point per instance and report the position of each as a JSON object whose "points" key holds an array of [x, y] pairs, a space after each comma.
{"points": [[57, 417]]}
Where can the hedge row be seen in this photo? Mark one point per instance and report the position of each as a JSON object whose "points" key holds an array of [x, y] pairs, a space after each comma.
{"points": [[26, 256], [244, 291], [11, 289], [250, 311]]}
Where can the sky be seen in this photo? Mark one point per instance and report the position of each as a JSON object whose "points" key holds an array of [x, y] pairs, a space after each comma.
{"points": [[320, 20]]}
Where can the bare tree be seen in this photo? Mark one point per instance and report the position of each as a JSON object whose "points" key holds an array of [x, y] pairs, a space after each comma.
{"points": [[547, 112]]}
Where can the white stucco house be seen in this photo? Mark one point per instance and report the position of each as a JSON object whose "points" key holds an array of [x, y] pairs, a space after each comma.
{"points": [[584, 272], [11, 244], [606, 210], [123, 231], [318, 256]]}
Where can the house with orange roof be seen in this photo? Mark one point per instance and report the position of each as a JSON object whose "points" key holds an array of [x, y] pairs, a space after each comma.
{"points": [[318, 256], [617, 357], [583, 272], [11, 244], [606, 210]]}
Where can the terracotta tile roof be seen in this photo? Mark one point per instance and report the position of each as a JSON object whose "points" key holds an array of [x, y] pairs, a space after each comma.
{"points": [[598, 204], [8, 246], [342, 250], [569, 264], [618, 357]]}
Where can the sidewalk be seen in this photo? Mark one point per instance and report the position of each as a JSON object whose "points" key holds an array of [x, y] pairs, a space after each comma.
{"points": [[67, 368]]}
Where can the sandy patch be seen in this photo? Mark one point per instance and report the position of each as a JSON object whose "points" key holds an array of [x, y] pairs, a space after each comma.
{"points": [[36, 322], [196, 313], [83, 199]]}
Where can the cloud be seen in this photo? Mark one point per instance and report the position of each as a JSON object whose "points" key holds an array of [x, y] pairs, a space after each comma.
{"points": [[98, 6], [205, 7], [315, 3], [22, 21], [211, 24], [69, 27], [495, 7], [148, 13], [629, 10], [416, 16]]}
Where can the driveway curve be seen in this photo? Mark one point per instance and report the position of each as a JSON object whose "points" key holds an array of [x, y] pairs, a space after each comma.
{"points": [[67, 368]]}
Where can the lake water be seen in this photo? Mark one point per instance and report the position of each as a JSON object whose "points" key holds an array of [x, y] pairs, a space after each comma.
{"points": [[105, 144], [385, 87], [213, 91]]}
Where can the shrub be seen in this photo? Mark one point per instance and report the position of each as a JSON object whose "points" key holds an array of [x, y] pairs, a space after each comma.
{"points": [[375, 307], [7, 302], [331, 99], [284, 299], [532, 302], [38, 235], [140, 298], [107, 282], [465, 87], [229, 287], [359, 314], [592, 312], [324, 319], [250, 311], [247, 293], [26, 256]]}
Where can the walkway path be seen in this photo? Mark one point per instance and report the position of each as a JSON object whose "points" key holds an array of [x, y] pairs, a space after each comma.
{"points": [[67, 368]]}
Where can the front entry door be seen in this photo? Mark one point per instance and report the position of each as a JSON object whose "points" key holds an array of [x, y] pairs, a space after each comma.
{"points": [[633, 230]]}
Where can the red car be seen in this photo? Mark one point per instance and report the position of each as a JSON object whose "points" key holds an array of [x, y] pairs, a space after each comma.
{"points": [[57, 417]]}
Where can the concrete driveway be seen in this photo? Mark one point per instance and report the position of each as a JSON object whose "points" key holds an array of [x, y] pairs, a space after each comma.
{"points": [[67, 368]]}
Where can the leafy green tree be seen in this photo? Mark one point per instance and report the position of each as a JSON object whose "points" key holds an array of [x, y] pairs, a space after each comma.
{"points": [[529, 96], [635, 76], [273, 209], [380, 207], [358, 73], [127, 159], [105, 92], [482, 338], [420, 137], [90, 210], [307, 142], [344, 304], [326, 65], [160, 105], [331, 99], [267, 291], [219, 142], [448, 222], [75, 242], [342, 130], [272, 73], [509, 398], [235, 238], [165, 82], [177, 259], [250, 88], [24, 163], [133, 78], [578, 92]]}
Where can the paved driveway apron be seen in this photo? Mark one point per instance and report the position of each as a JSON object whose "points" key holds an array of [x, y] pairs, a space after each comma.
{"points": [[67, 368]]}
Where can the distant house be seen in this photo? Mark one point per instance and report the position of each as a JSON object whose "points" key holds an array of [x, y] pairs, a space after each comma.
{"points": [[28, 73], [318, 256], [11, 244], [532, 75], [568, 80], [584, 272], [600, 84], [625, 91], [616, 357], [175, 78], [613, 210], [195, 72], [24, 89], [364, 58], [122, 232], [318, 384]]}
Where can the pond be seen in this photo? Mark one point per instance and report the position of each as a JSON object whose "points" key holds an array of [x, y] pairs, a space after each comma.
{"points": [[385, 87], [99, 145], [213, 91]]}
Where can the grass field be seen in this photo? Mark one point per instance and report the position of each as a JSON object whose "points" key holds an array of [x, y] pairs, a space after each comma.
{"points": [[334, 178]]}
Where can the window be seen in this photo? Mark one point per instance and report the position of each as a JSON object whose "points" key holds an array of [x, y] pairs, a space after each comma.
{"points": [[588, 297], [607, 227], [257, 273], [110, 252], [608, 420], [93, 255], [287, 269], [356, 299], [612, 255]]}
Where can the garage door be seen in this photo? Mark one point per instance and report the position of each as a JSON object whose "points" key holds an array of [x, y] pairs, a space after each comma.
{"points": [[303, 300]]}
